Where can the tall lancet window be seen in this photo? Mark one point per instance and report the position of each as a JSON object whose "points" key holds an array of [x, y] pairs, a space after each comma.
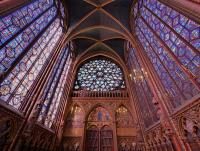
{"points": [[99, 74], [139, 80], [28, 37], [172, 43], [54, 89]]}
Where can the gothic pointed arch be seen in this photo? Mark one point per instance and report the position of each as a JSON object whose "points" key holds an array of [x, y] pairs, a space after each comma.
{"points": [[75, 118], [123, 118], [99, 130]]}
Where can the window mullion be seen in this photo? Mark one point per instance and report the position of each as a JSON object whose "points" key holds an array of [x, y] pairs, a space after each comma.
{"points": [[49, 85], [163, 66], [167, 49], [18, 59], [139, 90], [32, 65], [171, 29], [147, 98], [25, 27], [55, 87]]}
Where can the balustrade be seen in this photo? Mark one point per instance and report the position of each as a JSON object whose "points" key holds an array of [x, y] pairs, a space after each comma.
{"points": [[100, 94]]}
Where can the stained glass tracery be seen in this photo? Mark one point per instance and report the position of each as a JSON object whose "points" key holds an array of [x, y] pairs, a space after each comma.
{"points": [[99, 75], [14, 22], [17, 46], [171, 41], [49, 103], [23, 75], [53, 109], [33, 32], [143, 91]]}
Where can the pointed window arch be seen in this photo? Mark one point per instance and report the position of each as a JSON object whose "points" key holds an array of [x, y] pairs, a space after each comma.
{"points": [[75, 118], [124, 118], [99, 114]]}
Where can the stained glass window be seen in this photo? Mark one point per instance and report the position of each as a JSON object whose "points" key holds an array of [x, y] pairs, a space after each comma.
{"points": [[51, 92], [15, 47], [12, 24], [28, 37], [53, 110], [62, 10], [171, 42], [99, 75], [15, 87], [143, 91]]}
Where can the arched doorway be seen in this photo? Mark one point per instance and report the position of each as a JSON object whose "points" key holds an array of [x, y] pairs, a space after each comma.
{"points": [[92, 139], [99, 139], [106, 139], [99, 133]]}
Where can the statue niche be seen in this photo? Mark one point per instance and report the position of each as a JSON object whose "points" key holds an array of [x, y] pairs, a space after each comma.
{"points": [[74, 129], [75, 117]]}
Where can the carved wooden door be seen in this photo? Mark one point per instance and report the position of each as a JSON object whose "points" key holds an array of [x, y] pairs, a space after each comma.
{"points": [[92, 139], [106, 139], [99, 140]]}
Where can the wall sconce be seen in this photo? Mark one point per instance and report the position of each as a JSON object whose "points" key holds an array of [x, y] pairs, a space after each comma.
{"points": [[122, 110], [75, 109], [138, 75]]}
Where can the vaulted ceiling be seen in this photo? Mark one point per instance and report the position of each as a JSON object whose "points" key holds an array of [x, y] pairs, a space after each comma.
{"points": [[98, 25]]}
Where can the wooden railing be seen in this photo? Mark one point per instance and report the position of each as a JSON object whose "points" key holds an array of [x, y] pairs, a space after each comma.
{"points": [[100, 94]]}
